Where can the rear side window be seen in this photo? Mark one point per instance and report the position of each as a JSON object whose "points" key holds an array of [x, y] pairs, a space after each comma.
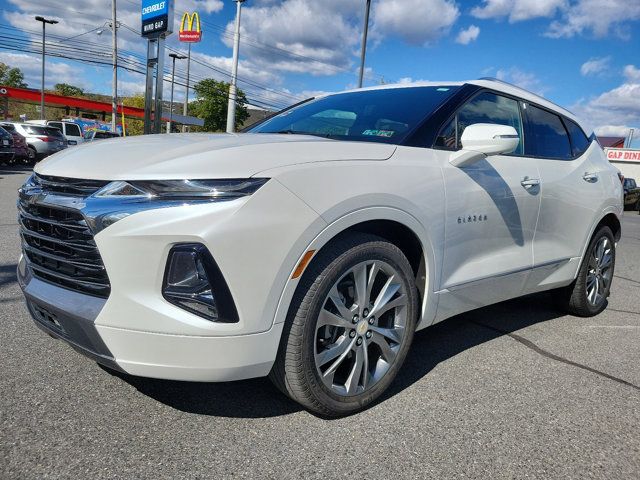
{"points": [[73, 130], [57, 125], [485, 108], [546, 137], [53, 132], [579, 141]]}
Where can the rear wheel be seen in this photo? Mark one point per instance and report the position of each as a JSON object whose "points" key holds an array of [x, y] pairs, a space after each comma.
{"points": [[349, 328], [587, 295], [32, 155]]}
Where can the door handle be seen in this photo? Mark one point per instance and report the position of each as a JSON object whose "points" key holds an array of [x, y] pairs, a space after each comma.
{"points": [[530, 182], [590, 177]]}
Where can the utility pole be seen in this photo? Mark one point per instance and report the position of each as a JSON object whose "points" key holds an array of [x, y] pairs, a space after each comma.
{"points": [[114, 100], [233, 89], [174, 57], [365, 32], [44, 24], [185, 110]]}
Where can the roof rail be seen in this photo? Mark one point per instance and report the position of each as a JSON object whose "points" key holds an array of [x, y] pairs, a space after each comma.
{"points": [[493, 79]]}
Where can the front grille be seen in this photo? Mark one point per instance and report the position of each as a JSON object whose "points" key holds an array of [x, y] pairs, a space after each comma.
{"points": [[68, 186], [61, 249]]}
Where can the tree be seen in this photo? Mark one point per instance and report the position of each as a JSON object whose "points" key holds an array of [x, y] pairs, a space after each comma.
{"points": [[211, 105], [68, 90], [11, 77]]}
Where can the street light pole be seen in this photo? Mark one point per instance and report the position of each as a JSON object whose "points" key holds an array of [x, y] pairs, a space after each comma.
{"points": [[363, 52], [185, 110], [233, 90], [114, 100], [174, 57], [44, 23]]}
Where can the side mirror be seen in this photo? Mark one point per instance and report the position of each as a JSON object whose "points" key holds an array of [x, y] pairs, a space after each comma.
{"points": [[481, 140]]}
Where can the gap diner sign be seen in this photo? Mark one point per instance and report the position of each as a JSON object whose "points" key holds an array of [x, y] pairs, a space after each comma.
{"points": [[623, 155], [190, 31]]}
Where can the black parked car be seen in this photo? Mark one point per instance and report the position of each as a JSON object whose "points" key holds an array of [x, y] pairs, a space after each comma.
{"points": [[6, 147], [631, 194]]}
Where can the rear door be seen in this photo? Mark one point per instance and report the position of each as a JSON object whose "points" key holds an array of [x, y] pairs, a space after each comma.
{"points": [[490, 214], [571, 193], [73, 133]]}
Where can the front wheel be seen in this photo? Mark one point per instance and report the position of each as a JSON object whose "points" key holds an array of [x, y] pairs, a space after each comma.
{"points": [[587, 295], [349, 327]]}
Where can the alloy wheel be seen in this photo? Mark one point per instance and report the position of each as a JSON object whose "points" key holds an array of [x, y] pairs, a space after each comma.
{"points": [[361, 328], [599, 272]]}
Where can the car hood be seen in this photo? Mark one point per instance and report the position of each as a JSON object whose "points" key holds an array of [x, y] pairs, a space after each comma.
{"points": [[178, 156]]}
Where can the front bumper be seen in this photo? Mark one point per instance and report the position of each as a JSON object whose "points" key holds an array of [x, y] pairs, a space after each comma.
{"points": [[71, 316], [256, 245]]}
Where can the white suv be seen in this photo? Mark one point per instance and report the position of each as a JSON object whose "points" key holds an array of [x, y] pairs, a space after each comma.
{"points": [[313, 247]]}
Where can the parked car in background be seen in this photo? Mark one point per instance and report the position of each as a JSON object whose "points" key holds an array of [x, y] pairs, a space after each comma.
{"points": [[21, 150], [92, 135], [42, 141], [6, 147], [70, 130], [313, 247], [631, 194]]}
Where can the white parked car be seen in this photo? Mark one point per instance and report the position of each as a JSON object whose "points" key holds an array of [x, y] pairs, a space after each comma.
{"points": [[313, 247]]}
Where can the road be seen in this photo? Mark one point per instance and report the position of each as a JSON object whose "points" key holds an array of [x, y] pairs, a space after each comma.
{"points": [[516, 390]]}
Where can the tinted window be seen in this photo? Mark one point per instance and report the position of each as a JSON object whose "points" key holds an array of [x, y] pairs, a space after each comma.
{"points": [[57, 125], [53, 132], [385, 115], [8, 127], [546, 137], [579, 141], [629, 183], [33, 130], [485, 108], [4, 134], [73, 130]]}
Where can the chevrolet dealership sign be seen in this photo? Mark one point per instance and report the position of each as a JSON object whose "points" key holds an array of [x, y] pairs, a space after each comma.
{"points": [[157, 18]]}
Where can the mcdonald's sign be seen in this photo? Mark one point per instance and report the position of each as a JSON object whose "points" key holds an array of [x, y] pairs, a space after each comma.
{"points": [[190, 31]]}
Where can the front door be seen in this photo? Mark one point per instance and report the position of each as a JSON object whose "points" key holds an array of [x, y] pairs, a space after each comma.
{"points": [[491, 213]]}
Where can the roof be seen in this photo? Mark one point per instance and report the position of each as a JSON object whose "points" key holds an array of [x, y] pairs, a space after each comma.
{"points": [[611, 142]]}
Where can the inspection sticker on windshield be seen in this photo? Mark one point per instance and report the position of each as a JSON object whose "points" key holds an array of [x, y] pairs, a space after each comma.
{"points": [[379, 133]]}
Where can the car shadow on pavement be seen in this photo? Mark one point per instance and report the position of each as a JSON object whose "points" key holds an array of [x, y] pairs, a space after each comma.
{"points": [[15, 170], [258, 398]]}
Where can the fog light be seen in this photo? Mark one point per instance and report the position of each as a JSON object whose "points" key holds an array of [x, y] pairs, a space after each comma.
{"points": [[194, 282]]}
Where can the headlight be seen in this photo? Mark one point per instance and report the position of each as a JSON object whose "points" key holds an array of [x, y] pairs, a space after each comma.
{"points": [[182, 189]]}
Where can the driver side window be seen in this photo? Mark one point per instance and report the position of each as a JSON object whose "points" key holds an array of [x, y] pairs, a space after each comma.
{"points": [[484, 108]]}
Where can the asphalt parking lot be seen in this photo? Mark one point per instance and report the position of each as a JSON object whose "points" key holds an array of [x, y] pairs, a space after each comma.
{"points": [[515, 390]]}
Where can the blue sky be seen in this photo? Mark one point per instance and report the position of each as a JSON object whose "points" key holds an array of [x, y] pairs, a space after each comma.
{"points": [[582, 54]]}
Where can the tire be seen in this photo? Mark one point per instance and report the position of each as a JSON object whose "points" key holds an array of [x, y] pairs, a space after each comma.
{"points": [[32, 157], [579, 298], [318, 334]]}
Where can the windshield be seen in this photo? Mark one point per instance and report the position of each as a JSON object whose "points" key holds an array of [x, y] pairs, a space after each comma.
{"points": [[385, 115]]}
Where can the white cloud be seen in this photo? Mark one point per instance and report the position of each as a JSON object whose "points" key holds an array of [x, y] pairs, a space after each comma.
{"points": [[418, 22], [328, 31], [518, 10], [31, 65], [632, 74], [469, 35], [595, 66], [527, 80], [616, 109], [596, 17], [612, 131]]}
